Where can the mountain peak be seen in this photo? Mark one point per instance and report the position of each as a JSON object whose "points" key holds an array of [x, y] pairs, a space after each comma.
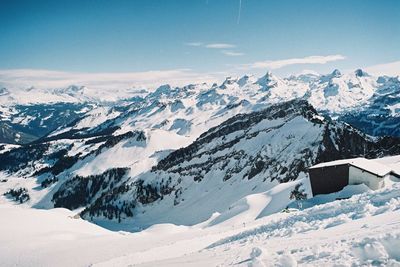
{"points": [[270, 76], [360, 73], [163, 89], [4, 91], [228, 81], [245, 79], [71, 90], [336, 73], [75, 88], [268, 81]]}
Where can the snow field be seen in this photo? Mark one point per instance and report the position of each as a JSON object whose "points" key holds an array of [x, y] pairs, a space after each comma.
{"points": [[363, 230]]}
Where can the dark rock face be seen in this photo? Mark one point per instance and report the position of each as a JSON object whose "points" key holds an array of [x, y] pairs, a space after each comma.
{"points": [[350, 143]]}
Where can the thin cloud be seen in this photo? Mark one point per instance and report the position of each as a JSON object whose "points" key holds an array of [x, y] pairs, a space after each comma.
{"points": [[194, 44], [390, 69], [232, 53], [25, 78], [306, 71], [220, 46], [277, 64]]}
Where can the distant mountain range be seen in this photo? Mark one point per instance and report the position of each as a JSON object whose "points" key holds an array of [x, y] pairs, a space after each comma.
{"points": [[130, 155], [369, 103]]}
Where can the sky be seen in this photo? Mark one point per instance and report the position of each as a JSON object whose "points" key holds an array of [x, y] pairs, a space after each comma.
{"points": [[196, 39]]}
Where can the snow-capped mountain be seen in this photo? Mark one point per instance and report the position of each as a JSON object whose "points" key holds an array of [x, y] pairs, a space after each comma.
{"points": [[174, 147], [367, 102], [381, 115], [71, 94], [339, 92]]}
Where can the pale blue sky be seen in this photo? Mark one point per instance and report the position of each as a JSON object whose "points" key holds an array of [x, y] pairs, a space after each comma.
{"points": [[201, 35]]}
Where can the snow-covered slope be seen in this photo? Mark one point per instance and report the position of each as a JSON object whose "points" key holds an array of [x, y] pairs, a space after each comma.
{"points": [[360, 231]]}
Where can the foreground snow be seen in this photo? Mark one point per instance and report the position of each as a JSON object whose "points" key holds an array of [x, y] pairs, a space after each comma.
{"points": [[362, 230]]}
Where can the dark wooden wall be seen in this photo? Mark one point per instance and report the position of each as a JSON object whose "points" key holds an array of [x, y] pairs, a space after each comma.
{"points": [[329, 179]]}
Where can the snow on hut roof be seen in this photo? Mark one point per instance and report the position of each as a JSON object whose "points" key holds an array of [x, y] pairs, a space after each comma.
{"points": [[392, 162], [371, 166]]}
